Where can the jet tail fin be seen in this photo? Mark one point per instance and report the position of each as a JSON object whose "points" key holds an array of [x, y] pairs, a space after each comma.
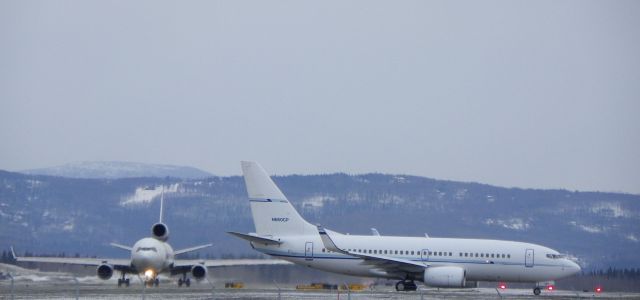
{"points": [[13, 254], [273, 214], [161, 204]]}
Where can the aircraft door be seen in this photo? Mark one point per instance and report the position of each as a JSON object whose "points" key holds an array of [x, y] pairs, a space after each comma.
{"points": [[424, 255], [528, 258], [308, 251]]}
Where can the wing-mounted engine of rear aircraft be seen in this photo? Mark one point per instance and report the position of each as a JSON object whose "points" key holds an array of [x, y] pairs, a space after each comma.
{"points": [[160, 231], [104, 271], [445, 277], [199, 272]]}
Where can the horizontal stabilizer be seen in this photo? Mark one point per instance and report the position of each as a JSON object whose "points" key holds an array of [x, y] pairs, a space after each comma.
{"points": [[255, 239], [191, 249]]}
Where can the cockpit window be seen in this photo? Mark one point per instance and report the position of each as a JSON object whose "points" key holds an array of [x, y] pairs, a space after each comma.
{"points": [[556, 256], [146, 249]]}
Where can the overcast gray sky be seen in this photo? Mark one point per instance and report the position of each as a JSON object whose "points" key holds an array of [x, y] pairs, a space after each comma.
{"points": [[514, 93]]}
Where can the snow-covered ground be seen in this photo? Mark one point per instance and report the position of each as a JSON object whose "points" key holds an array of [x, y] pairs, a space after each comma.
{"points": [[147, 194]]}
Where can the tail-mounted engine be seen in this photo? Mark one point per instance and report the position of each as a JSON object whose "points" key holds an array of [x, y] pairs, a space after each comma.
{"points": [[104, 271], [160, 231], [199, 272]]}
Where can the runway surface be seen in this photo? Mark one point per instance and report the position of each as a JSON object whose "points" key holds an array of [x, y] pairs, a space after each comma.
{"points": [[35, 290]]}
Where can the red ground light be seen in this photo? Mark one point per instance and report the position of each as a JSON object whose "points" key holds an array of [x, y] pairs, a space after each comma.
{"points": [[502, 286], [598, 290], [551, 287]]}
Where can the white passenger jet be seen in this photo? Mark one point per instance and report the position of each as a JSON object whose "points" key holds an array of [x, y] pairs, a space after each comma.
{"points": [[437, 262], [151, 256]]}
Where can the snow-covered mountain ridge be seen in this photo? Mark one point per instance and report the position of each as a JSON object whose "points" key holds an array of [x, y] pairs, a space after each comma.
{"points": [[44, 214], [118, 169]]}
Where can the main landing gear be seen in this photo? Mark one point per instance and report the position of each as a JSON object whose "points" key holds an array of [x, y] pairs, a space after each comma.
{"points": [[184, 280], [406, 286], [123, 280], [536, 291]]}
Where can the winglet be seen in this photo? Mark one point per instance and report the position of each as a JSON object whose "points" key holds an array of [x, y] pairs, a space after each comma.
{"points": [[328, 242], [375, 232]]}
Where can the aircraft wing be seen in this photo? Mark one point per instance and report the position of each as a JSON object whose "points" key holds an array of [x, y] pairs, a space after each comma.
{"points": [[213, 263], [117, 263], [191, 249], [184, 265], [387, 264]]}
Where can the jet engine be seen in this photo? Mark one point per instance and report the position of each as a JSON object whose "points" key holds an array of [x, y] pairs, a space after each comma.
{"points": [[199, 272], [104, 271], [445, 277], [160, 231]]}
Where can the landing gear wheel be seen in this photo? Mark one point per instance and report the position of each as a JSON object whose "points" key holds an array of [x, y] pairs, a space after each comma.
{"points": [[156, 282], [406, 285], [188, 282], [536, 291], [180, 282], [123, 280]]}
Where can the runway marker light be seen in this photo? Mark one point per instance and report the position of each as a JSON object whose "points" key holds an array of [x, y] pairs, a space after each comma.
{"points": [[503, 286], [598, 290]]}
